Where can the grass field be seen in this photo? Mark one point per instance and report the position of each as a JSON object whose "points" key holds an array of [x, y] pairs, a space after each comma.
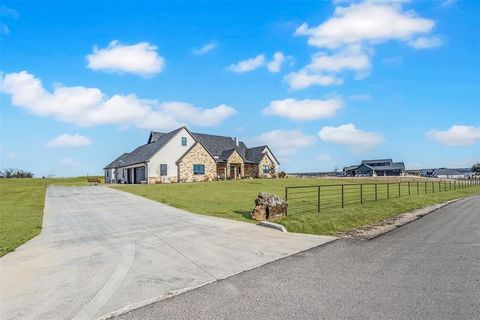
{"points": [[21, 208], [22, 203], [235, 200]]}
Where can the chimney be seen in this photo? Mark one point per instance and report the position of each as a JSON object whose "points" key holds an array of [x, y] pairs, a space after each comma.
{"points": [[236, 141]]}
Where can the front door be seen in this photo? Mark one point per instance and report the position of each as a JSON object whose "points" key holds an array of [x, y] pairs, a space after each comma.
{"points": [[232, 171]]}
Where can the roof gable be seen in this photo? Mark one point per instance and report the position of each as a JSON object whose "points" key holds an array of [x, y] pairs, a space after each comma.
{"points": [[145, 152], [154, 135]]}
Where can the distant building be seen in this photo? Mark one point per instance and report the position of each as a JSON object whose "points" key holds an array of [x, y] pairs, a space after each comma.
{"points": [[446, 173], [374, 168]]}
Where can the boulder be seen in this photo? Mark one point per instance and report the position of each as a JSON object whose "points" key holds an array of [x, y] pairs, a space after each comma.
{"points": [[269, 207]]}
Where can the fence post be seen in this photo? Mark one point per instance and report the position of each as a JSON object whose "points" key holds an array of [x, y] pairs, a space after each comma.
{"points": [[433, 187], [286, 199], [388, 190], [375, 192], [399, 189], [318, 200], [408, 187], [361, 193], [342, 197], [425, 187]]}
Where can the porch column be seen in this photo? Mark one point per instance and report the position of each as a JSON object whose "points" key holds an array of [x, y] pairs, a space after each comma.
{"points": [[225, 176]]}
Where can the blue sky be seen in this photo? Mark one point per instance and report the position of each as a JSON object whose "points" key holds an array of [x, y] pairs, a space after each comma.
{"points": [[325, 84]]}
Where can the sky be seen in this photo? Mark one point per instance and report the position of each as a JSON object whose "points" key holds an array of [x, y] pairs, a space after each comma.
{"points": [[324, 84]]}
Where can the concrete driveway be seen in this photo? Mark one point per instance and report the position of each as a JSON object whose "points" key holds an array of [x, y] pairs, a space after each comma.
{"points": [[101, 250]]}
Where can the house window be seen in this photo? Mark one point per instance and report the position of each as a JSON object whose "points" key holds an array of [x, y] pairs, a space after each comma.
{"points": [[163, 169], [266, 169], [184, 141], [198, 169]]}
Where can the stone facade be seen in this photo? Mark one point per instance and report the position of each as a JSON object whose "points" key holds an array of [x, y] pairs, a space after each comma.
{"points": [[196, 155], [237, 160], [265, 161], [162, 179], [251, 170]]}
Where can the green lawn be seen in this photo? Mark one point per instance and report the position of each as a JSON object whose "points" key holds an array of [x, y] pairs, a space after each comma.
{"points": [[235, 200], [21, 208], [22, 202], [21, 211]]}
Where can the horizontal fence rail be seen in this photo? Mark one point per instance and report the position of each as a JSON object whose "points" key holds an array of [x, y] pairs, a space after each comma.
{"points": [[314, 198]]}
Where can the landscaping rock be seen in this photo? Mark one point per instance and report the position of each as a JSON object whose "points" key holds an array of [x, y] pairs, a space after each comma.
{"points": [[269, 207]]}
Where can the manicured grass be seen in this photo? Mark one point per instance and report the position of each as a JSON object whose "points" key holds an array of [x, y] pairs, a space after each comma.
{"points": [[21, 208], [75, 181], [235, 200], [21, 211]]}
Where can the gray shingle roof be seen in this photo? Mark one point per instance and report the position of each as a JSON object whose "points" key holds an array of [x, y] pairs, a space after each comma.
{"points": [[216, 144], [154, 135], [394, 166], [117, 162], [376, 160], [255, 154], [221, 147], [145, 152]]}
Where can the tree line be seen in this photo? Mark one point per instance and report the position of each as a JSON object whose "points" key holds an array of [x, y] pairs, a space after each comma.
{"points": [[15, 173]]}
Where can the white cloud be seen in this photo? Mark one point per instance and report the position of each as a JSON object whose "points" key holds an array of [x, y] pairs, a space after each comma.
{"points": [[323, 157], [302, 110], [69, 140], [348, 134], [141, 58], [206, 48], [303, 79], [456, 135], [248, 64], [89, 106], [350, 58], [276, 64], [69, 162], [425, 42], [324, 68], [350, 35], [370, 22], [285, 143]]}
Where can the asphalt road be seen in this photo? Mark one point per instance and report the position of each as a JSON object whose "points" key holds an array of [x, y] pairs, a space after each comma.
{"points": [[428, 269]]}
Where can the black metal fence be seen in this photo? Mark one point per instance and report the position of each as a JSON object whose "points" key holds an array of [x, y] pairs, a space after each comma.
{"points": [[315, 198]]}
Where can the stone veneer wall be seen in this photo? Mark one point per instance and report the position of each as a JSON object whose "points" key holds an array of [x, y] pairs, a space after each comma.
{"points": [[265, 161], [197, 155], [235, 158], [162, 179], [251, 170]]}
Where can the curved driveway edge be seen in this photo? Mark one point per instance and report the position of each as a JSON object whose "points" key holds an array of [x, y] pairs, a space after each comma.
{"points": [[102, 249]]}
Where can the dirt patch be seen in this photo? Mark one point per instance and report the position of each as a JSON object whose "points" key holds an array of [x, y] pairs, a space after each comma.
{"points": [[376, 229]]}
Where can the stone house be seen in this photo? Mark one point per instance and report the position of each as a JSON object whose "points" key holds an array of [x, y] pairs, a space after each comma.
{"points": [[183, 156]]}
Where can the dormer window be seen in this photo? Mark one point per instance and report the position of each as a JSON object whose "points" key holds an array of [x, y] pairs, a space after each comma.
{"points": [[184, 141]]}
